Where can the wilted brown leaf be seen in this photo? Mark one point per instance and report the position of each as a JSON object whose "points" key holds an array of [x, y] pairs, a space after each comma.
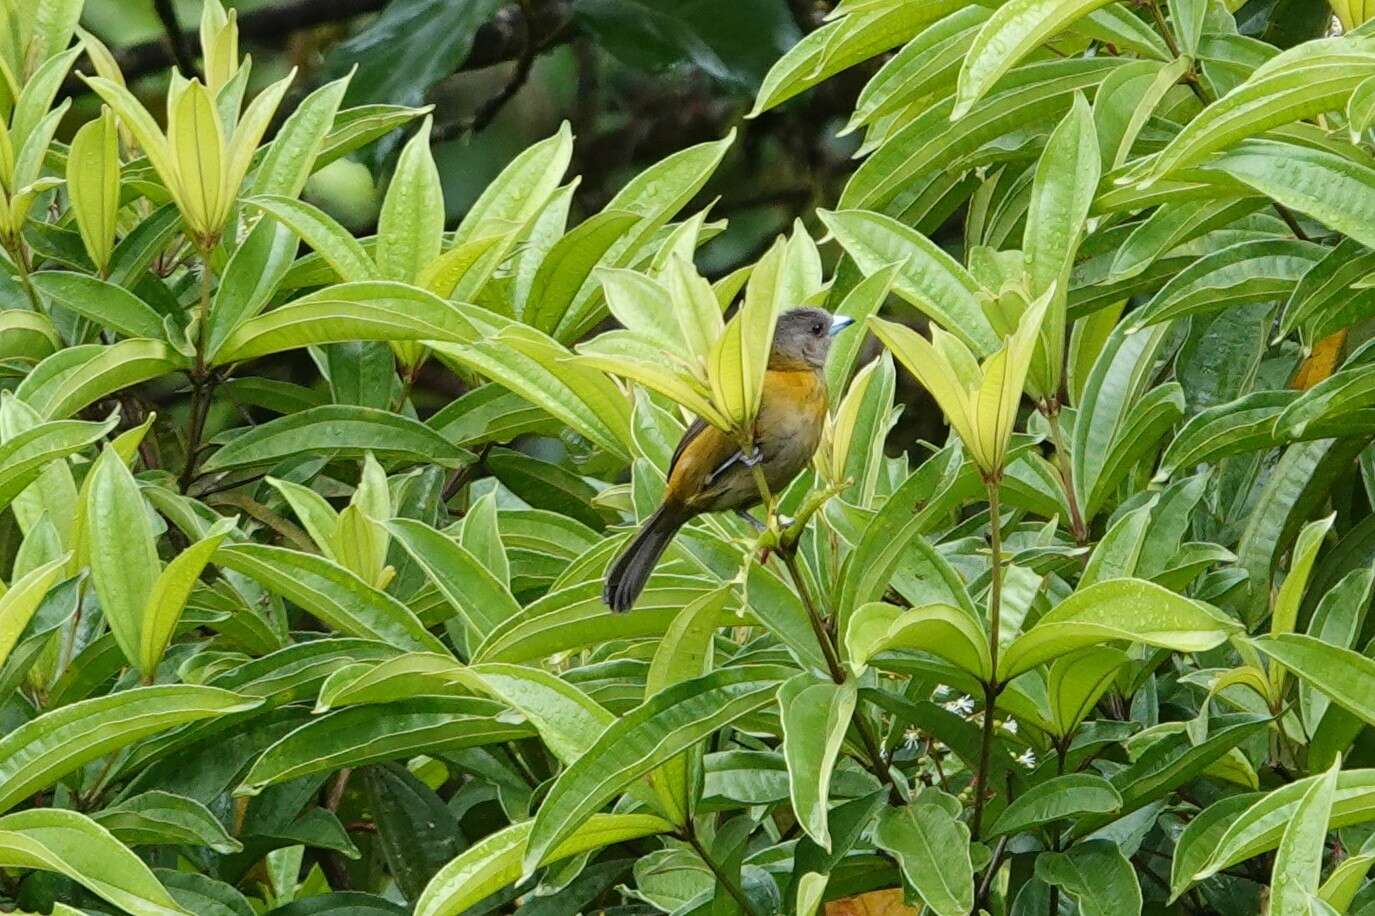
{"points": [[875, 903]]}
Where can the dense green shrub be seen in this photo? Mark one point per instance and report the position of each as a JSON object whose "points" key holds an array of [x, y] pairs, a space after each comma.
{"points": [[272, 641]]}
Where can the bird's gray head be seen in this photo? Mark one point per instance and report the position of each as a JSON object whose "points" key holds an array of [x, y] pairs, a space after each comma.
{"points": [[802, 338]]}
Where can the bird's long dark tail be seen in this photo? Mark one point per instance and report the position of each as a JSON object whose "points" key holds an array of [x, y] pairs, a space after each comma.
{"points": [[627, 576]]}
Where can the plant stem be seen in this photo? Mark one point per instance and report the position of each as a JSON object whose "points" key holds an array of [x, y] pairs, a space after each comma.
{"points": [[823, 637], [1051, 411], [202, 381], [24, 265], [732, 888], [878, 765], [1196, 85], [991, 688], [993, 864]]}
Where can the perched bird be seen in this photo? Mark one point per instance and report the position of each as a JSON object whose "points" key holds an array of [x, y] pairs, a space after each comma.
{"points": [[708, 472]]}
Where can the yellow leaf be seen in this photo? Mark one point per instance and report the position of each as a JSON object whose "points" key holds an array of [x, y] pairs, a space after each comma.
{"points": [[134, 116], [694, 305], [248, 133], [934, 371], [875, 903], [93, 185], [219, 44], [197, 142], [1321, 363]]}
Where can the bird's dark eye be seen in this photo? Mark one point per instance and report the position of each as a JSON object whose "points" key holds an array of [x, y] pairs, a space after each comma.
{"points": [[817, 328]]}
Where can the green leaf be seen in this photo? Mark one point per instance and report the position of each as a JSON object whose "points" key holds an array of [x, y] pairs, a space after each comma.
{"points": [[1339, 405], [369, 310], [1246, 272], [46, 748], [1284, 615], [685, 652], [1198, 840], [495, 861], [1189, 18], [541, 371], [1340, 673], [665, 724], [1337, 191], [927, 277], [249, 280], [72, 844], [359, 735], [77, 377], [416, 830], [338, 431], [1261, 826], [1014, 29], [340, 250], [157, 818], [168, 596], [1240, 426], [569, 264], [815, 715], [475, 594], [932, 849], [1298, 862], [123, 554], [1324, 301], [1096, 875], [21, 601], [1077, 680], [1170, 762], [106, 304], [1119, 378], [1302, 82], [515, 197], [655, 195], [333, 594], [1055, 799], [842, 43], [947, 632], [410, 227], [1066, 179], [24, 455], [1342, 885], [294, 151], [1118, 609]]}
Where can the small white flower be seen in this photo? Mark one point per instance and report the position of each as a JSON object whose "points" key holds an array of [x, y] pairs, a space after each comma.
{"points": [[941, 691], [962, 706], [1010, 726], [1027, 758], [911, 737]]}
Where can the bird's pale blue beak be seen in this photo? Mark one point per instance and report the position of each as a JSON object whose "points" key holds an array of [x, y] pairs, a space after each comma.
{"points": [[840, 323]]}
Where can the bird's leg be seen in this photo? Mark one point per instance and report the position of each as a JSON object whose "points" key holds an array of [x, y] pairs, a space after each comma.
{"points": [[750, 520], [755, 456]]}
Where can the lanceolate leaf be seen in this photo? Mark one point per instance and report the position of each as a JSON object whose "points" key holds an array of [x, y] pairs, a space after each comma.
{"points": [[73, 845], [337, 430], [44, 749], [331, 593], [495, 862], [1014, 29], [665, 724]]}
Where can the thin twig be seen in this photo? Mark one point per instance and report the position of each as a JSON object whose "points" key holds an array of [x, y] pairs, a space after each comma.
{"points": [[731, 887], [991, 687], [489, 109], [177, 40], [1051, 411], [1196, 84]]}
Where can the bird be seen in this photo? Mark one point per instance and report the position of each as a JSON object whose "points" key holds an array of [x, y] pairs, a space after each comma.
{"points": [[708, 471]]}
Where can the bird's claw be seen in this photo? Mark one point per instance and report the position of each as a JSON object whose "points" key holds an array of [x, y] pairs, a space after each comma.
{"points": [[750, 520], [753, 458]]}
